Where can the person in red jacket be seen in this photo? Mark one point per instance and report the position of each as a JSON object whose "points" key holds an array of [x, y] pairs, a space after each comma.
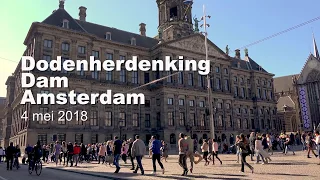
{"points": [[76, 152]]}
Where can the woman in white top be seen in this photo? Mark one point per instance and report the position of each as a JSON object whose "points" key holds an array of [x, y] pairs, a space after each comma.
{"points": [[260, 152], [269, 141]]}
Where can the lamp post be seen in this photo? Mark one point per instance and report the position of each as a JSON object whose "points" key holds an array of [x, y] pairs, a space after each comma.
{"points": [[205, 25], [120, 128]]}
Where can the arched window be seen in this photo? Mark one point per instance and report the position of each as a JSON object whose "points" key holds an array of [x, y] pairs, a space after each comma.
{"points": [[172, 139]]}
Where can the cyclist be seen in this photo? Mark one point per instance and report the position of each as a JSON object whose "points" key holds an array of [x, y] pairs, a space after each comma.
{"points": [[37, 154]]}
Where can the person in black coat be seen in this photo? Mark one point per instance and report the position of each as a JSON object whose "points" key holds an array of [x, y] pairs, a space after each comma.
{"points": [[10, 152], [70, 154]]}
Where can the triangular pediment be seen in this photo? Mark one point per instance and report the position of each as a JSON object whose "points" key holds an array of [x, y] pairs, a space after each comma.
{"points": [[310, 71], [196, 43]]}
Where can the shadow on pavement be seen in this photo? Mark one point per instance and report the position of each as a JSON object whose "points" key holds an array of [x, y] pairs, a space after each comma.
{"points": [[284, 174], [291, 163]]}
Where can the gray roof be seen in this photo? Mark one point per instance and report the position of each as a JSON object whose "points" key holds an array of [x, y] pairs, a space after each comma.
{"points": [[283, 83], [100, 31], [247, 65]]}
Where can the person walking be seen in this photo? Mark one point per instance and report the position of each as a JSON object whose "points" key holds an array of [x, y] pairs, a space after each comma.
{"points": [[76, 153], [102, 153], [129, 153], [138, 150], [309, 144], [252, 140], [317, 141], [156, 154], [205, 151], [215, 150], [244, 151], [117, 145], [10, 152], [57, 151], [183, 147], [70, 154]]}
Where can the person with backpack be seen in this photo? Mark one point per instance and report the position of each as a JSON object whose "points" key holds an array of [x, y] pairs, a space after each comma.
{"points": [[245, 150]]}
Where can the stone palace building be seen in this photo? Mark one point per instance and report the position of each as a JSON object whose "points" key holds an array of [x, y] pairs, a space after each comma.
{"points": [[243, 97]]}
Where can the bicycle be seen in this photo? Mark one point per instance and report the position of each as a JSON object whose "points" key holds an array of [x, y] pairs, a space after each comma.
{"points": [[37, 166], [15, 163]]}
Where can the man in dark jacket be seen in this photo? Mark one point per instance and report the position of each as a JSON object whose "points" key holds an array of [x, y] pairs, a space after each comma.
{"points": [[70, 154], [117, 145], [10, 152]]}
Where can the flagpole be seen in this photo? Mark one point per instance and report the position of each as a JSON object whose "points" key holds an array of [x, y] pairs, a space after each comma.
{"points": [[210, 106]]}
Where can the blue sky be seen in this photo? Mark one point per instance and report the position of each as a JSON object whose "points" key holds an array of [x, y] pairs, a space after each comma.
{"points": [[234, 23]]}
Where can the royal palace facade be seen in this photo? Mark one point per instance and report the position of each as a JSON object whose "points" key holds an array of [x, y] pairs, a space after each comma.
{"points": [[242, 91]]}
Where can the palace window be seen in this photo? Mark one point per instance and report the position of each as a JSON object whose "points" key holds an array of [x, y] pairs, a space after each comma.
{"points": [[217, 69], [135, 77], [108, 35], [226, 84], [203, 120], [122, 119], [181, 119], [201, 80], [65, 46], [133, 41], [201, 103], [108, 120], [95, 73], [226, 71], [81, 49], [94, 118], [47, 43], [180, 77], [193, 119], [236, 91], [146, 77], [123, 75], [169, 79], [78, 138], [43, 111], [61, 137], [42, 138], [181, 102], [239, 123], [135, 122], [65, 24], [218, 83], [170, 101], [147, 121], [220, 121], [191, 103], [170, 119], [190, 79]]}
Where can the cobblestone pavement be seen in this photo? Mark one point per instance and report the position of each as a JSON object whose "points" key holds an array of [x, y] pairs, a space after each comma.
{"points": [[282, 167]]}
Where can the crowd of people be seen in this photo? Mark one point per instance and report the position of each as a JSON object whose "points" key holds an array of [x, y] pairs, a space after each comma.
{"points": [[111, 152]]}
